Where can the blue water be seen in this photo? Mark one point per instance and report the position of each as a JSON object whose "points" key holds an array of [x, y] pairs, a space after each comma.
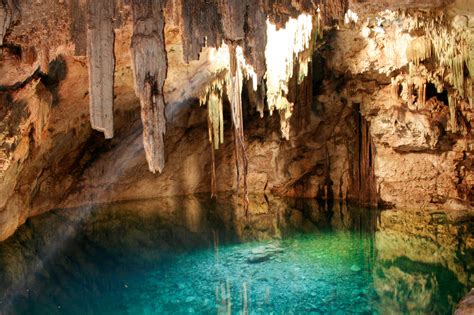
{"points": [[195, 256]]}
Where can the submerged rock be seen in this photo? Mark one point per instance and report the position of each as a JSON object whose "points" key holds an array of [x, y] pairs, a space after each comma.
{"points": [[258, 258], [263, 253]]}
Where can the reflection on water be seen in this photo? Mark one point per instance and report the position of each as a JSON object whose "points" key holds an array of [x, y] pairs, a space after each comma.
{"points": [[193, 255]]}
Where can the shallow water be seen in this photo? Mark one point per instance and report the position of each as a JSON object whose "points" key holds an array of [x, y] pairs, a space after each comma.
{"points": [[192, 255]]}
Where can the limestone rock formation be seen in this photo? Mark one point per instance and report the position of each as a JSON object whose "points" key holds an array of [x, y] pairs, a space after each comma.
{"points": [[100, 53], [376, 108], [149, 67]]}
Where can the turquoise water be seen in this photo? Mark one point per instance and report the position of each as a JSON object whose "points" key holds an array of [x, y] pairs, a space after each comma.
{"points": [[195, 256]]}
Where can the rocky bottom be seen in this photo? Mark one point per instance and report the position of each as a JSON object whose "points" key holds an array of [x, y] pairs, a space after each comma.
{"points": [[193, 255]]}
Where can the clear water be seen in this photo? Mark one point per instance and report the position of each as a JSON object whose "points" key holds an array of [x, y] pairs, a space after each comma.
{"points": [[192, 255]]}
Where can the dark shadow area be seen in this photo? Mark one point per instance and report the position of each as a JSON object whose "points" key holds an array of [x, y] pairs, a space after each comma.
{"points": [[57, 71], [431, 91]]}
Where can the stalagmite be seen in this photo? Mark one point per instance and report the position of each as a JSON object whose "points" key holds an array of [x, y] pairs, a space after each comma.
{"points": [[100, 50], [283, 47], [149, 67]]}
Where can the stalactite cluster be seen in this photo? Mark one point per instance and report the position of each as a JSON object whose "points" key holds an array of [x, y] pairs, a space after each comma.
{"points": [[232, 83], [215, 120], [295, 38], [149, 67], [254, 42], [283, 48], [201, 27], [269, 44], [213, 98], [100, 50], [419, 49], [439, 56], [452, 49]]}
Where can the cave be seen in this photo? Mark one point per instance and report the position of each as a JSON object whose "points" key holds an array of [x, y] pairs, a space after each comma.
{"points": [[224, 156], [442, 96]]}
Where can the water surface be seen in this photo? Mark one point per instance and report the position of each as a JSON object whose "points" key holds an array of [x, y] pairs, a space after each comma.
{"points": [[193, 255]]}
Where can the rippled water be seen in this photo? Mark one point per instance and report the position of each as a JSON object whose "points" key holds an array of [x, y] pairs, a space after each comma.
{"points": [[192, 255]]}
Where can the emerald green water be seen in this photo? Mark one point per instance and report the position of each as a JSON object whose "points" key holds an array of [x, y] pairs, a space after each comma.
{"points": [[196, 256]]}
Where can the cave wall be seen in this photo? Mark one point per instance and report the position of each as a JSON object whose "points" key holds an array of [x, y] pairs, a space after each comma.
{"points": [[352, 137]]}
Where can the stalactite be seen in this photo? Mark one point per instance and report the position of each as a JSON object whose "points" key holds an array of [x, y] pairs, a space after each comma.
{"points": [[213, 158], [283, 47], [421, 94], [452, 102], [319, 24], [212, 96], [410, 93], [451, 49], [303, 70], [395, 88], [78, 14], [470, 68], [470, 56], [470, 92], [232, 13], [301, 94], [419, 49], [234, 81], [213, 99], [256, 39], [457, 68], [149, 66], [100, 52], [201, 26]]}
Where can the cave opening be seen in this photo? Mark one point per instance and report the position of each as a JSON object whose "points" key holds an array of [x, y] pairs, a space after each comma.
{"points": [[432, 91]]}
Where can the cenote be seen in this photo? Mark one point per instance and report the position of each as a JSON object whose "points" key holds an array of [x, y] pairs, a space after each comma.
{"points": [[186, 255]]}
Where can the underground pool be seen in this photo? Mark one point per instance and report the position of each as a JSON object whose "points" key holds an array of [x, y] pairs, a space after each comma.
{"points": [[193, 255]]}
